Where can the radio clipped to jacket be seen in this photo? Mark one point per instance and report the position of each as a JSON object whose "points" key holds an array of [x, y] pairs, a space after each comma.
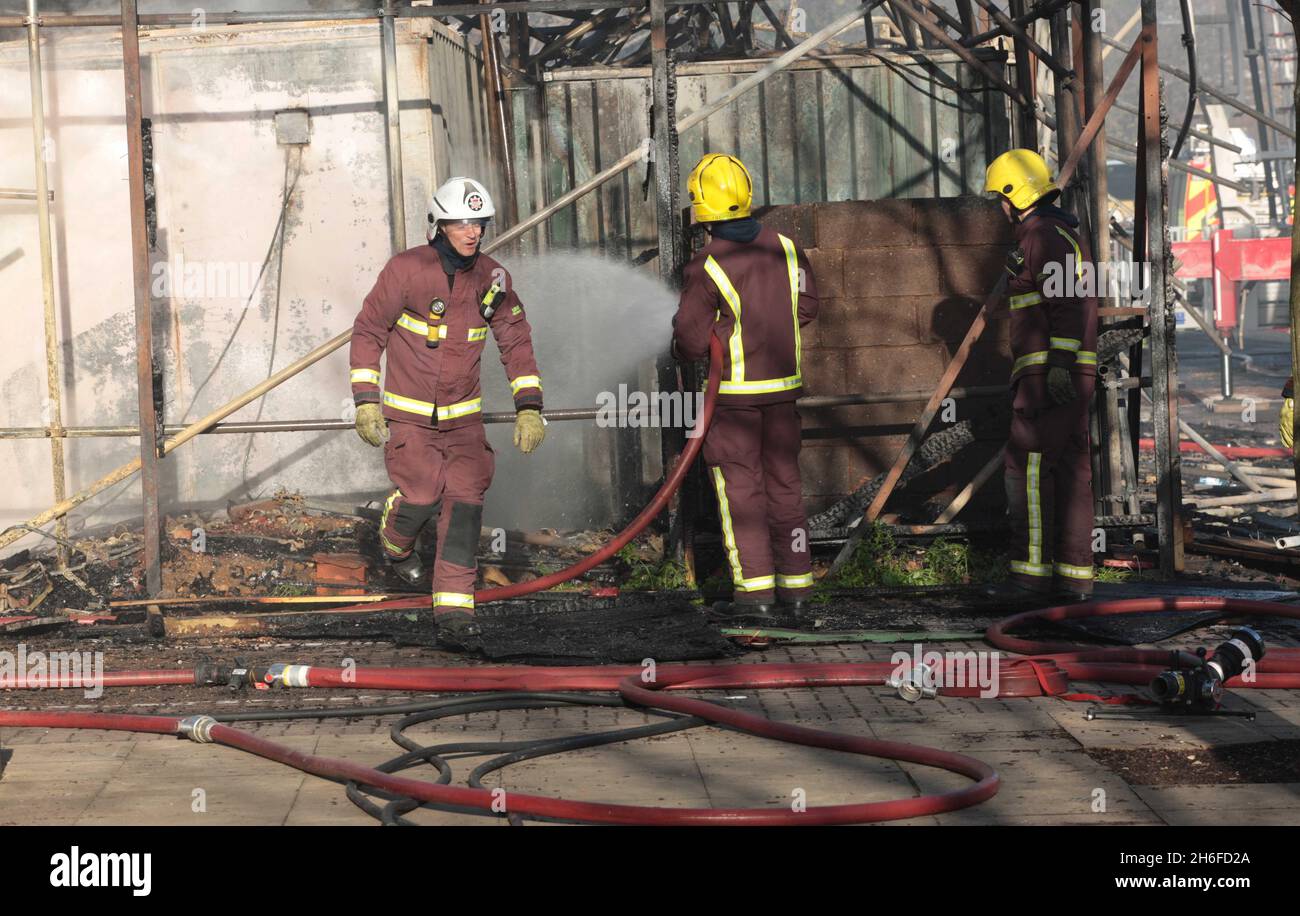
{"points": [[488, 306]]}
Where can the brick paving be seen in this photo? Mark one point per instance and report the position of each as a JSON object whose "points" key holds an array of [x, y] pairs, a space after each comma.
{"points": [[1037, 745]]}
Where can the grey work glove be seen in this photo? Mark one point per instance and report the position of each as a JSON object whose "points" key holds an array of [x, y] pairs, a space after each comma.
{"points": [[370, 424], [1059, 385]]}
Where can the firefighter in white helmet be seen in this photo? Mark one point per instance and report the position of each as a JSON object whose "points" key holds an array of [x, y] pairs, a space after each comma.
{"points": [[431, 310]]}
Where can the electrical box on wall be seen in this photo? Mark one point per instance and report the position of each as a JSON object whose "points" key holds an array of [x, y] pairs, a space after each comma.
{"points": [[292, 127]]}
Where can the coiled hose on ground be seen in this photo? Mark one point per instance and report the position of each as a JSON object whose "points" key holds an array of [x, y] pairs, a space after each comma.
{"points": [[1044, 669], [1047, 670]]}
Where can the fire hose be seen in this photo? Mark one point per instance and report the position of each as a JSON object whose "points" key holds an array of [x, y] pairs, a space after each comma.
{"points": [[672, 482], [1046, 670]]}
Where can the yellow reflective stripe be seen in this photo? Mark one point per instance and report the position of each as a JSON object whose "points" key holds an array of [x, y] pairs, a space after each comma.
{"points": [[804, 580], [1073, 572], [735, 345], [383, 523], [425, 409], [756, 584], [364, 375], [728, 535], [410, 405], [478, 333], [761, 386], [453, 599], [1030, 359], [1030, 569], [525, 381], [1078, 255], [792, 267], [464, 408], [416, 326], [1035, 506], [1025, 300], [1066, 343], [1086, 358]]}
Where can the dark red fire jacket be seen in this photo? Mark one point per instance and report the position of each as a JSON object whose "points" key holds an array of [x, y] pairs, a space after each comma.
{"points": [[439, 386], [755, 296], [1051, 295]]}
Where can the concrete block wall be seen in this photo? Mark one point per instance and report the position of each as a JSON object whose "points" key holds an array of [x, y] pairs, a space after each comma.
{"points": [[900, 282]]}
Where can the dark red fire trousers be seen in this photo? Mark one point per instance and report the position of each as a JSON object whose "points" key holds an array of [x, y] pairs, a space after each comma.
{"points": [[1048, 474], [752, 454], [441, 476]]}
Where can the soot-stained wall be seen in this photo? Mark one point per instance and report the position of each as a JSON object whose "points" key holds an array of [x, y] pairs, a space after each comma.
{"points": [[900, 283]]}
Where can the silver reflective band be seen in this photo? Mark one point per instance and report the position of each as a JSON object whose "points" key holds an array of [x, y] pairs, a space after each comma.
{"points": [[197, 728], [281, 675]]}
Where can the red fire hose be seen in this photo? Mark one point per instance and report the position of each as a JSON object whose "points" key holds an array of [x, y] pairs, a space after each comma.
{"points": [[1229, 451], [1280, 668], [671, 483], [627, 682], [1046, 669]]}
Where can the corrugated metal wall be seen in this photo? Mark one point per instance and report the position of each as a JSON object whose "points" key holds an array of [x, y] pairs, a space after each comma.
{"points": [[458, 105], [840, 128]]}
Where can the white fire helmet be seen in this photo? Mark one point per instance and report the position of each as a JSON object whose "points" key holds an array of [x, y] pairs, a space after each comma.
{"points": [[460, 198]]}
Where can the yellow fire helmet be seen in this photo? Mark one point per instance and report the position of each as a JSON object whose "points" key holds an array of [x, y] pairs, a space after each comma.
{"points": [[720, 188], [1021, 176]]}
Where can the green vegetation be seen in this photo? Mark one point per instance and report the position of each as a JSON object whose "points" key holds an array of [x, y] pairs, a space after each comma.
{"points": [[647, 576], [1111, 574], [878, 561], [290, 590]]}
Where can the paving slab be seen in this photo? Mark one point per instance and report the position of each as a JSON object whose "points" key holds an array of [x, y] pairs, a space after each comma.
{"points": [[1255, 798], [1037, 745], [1050, 784]]}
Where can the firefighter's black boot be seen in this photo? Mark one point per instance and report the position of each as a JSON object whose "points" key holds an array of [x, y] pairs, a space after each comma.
{"points": [[1013, 594], [751, 613], [458, 630], [410, 569], [799, 610]]}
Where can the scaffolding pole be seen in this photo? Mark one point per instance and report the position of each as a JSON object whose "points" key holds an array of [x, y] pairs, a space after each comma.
{"points": [[54, 406], [64, 506]]}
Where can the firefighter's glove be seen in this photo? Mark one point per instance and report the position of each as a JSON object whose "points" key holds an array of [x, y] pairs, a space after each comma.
{"points": [[529, 430], [1059, 385], [1285, 421], [370, 424]]}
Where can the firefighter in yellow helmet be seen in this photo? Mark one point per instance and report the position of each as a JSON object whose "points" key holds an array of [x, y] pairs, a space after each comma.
{"points": [[753, 288], [1048, 471]]}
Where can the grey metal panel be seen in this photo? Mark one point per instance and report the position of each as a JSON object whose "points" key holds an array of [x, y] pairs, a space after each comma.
{"points": [[558, 161], [834, 129], [456, 98], [750, 146], [837, 103], [613, 195], [582, 123], [691, 145], [948, 115], [810, 158]]}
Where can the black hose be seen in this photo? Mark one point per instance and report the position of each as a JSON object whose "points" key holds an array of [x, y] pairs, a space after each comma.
{"points": [[1189, 42], [506, 753]]}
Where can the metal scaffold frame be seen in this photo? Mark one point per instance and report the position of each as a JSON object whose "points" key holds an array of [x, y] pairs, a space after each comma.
{"points": [[921, 26]]}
